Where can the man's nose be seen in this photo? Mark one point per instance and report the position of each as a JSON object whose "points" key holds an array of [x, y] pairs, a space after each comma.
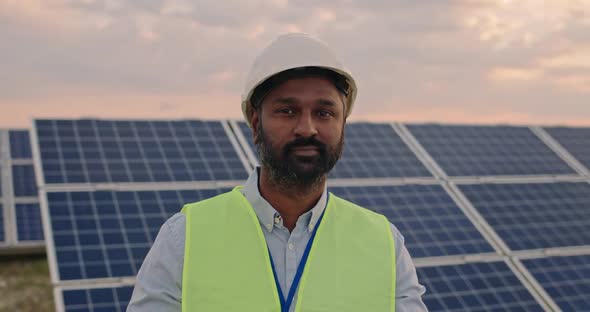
{"points": [[305, 126]]}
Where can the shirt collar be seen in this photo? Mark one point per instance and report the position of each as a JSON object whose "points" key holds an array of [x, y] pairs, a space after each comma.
{"points": [[265, 211]]}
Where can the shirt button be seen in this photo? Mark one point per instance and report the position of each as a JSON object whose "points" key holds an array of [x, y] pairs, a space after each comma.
{"points": [[291, 247], [278, 219], [269, 227]]}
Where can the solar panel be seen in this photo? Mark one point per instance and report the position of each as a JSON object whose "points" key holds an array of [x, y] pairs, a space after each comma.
{"points": [[100, 151], [431, 222], [371, 150], [475, 287], [20, 147], [28, 222], [575, 140], [488, 151], [23, 181], [535, 215], [107, 233], [21, 202], [112, 299], [565, 279]]}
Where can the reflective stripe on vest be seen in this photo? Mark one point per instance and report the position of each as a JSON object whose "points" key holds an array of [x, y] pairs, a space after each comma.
{"points": [[351, 266]]}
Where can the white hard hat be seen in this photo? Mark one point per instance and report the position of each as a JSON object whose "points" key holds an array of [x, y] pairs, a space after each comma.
{"points": [[291, 51]]}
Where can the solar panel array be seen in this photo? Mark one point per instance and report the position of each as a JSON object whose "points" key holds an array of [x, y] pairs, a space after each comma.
{"points": [[488, 151], [20, 217], [484, 286], [565, 279], [112, 299], [575, 140], [476, 204], [431, 222], [535, 215]]}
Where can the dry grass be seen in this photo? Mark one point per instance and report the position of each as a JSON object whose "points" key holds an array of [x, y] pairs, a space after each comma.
{"points": [[25, 284]]}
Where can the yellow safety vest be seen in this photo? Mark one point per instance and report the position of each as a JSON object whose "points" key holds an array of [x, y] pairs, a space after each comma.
{"points": [[351, 264]]}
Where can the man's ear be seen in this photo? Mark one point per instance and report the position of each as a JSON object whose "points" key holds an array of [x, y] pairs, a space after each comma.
{"points": [[254, 120]]}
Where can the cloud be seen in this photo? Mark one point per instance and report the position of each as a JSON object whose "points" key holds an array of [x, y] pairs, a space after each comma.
{"points": [[523, 22], [508, 74], [578, 57], [468, 58]]}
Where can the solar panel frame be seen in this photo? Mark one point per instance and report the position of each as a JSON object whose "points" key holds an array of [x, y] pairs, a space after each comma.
{"points": [[4, 180], [533, 158]]}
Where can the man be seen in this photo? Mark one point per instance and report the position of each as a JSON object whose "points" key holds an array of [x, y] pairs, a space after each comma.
{"points": [[282, 242]]}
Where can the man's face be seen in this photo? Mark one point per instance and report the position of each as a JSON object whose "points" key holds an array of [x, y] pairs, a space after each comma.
{"points": [[299, 132]]}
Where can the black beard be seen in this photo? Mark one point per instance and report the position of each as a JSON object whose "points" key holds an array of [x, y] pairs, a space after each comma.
{"points": [[289, 171]]}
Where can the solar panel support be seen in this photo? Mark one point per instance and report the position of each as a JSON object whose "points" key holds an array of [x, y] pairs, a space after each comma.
{"points": [[7, 190], [532, 285], [478, 220], [419, 151], [560, 151], [232, 138], [43, 205], [241, 137], [551, 252], [517, 179], [457, 259]]}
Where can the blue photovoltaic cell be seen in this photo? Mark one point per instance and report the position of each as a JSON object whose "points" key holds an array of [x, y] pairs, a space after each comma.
{"points": [[28, 222], [23, 180], [371, 150], [107, 234], [535, 215], [575, 140], [20, 145], [98, 151], [565, 279], [488, 151], [431, 222], [111, 299], [475, 287], [376, 151]]}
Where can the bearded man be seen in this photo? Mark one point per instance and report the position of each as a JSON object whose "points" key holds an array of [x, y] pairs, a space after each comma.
{"points": [[282, 242]]}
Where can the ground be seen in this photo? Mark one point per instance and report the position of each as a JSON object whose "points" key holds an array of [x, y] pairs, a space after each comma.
{"points": [[25, 284]]}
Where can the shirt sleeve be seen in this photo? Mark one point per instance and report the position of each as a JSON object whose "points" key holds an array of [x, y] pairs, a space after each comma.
{"points": [[158, 286], [408, 291]]}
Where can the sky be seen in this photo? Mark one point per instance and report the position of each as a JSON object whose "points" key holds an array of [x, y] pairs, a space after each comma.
{"points": [[446, 61]]}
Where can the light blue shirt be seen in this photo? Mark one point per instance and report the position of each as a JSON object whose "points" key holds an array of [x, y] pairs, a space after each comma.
{"points": [[158, 286]]}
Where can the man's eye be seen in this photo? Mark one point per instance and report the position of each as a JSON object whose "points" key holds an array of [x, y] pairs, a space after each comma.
{"points": [[325, 114], [287, 111]]}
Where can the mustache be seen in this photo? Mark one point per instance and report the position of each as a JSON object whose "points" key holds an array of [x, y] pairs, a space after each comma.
{"points": [[302, 142]]}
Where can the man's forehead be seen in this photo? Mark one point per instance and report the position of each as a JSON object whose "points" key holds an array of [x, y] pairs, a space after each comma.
{"points": [[319, 89]]}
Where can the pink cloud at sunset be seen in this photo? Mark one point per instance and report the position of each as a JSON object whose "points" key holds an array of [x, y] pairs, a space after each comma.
{"points": [[459, 61]]}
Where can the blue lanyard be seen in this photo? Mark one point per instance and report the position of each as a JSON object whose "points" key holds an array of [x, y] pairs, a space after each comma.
{"points": [[286, 304]]}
